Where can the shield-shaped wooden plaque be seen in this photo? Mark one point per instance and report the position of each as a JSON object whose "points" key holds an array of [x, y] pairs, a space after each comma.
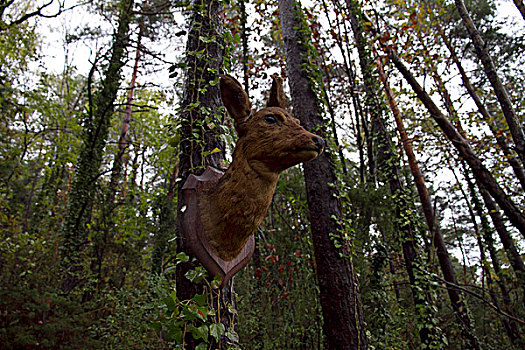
{"points": [[194, 235]]}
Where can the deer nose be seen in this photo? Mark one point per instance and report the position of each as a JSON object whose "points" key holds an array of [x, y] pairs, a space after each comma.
{"points": [[319, 142]]}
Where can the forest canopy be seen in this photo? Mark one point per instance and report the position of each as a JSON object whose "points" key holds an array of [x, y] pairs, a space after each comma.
{"points": [[407, 232]]}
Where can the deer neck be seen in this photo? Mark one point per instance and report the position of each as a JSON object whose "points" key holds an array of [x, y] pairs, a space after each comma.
{"points": [[233, 210]]}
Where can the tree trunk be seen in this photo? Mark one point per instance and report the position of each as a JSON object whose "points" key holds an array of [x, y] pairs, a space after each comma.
{"points": [[513, 122], [333, 124], [199, 135], [102, 240], [343, 317], [389, 165], [481, 173], [443, 256], [514, 256], [245, 55], [97, 122], [123, 142], [358, 111], [498, 135], [509, 325]]}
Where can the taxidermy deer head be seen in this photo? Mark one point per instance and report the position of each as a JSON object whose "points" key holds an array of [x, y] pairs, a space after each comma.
{"points": [[270, 141]]}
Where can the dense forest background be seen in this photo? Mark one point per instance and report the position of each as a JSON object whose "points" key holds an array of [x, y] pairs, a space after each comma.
{"points": [[107, 106]]}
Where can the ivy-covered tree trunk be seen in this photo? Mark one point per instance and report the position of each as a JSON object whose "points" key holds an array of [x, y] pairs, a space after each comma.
{"points": [[344, 326], [119, 160], [200, 107], [388, 164], [200, 118], [102, 237], [87, 170], [445, 263]]}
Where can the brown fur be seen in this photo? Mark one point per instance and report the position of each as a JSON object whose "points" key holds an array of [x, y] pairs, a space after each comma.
{"points": [[233, 210]]}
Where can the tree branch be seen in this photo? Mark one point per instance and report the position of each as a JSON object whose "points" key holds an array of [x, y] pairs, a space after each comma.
{"points": [[485, 301]]}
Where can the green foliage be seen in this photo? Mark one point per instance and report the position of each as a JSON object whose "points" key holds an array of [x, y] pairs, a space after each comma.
{"points": [[129, 313], [127, 298], [278, 302], [195, 319]]}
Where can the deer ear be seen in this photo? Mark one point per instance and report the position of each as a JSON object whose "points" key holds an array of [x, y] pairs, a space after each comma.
{"points": [[277, 97], [236, 102]]}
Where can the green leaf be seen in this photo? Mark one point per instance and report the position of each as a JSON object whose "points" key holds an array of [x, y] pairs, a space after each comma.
{"points": [[201, 332], [202, 312], [232, 336], [182, 257], [201, 346], [201, 299], [170, 303], [188, 314], [157, 326], [217, 330], [196, 275], [176, 332], [216, 283], [174, 141]]}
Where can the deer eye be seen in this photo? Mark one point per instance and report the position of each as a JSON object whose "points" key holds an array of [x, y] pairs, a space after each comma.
{"points": [[270, 119]]}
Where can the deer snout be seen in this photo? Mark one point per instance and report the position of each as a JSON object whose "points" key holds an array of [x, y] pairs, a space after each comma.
{"points": [[319, 142]]}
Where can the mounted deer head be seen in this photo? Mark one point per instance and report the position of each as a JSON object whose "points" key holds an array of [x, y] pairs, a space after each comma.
{"points": [[270, 141]]}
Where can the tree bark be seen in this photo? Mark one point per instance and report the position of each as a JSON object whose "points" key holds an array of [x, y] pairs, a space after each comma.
{"points": [[101, 238], [333, 124], [514, 256], [123, 142], [245, 55], [388, 163], [97, 122], [442, 253], [343, 317], [513, 122], [509, 325], [199, 135], [481, 173]]}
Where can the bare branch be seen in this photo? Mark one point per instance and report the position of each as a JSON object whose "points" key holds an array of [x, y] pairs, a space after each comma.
{"points": [[481, 298], [38, 13]]}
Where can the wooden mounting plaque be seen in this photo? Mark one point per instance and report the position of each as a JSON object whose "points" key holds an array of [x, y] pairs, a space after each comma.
{"points": [[194, 235]]}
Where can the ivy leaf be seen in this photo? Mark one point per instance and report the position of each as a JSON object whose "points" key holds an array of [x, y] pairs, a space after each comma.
{"points": [[232, 336], [216, 283], [196, 275], [176, 332], [201, 346], [182, 257], [201, 332], [170, 303], [200, 299], [202, 312], [217, 330]]}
